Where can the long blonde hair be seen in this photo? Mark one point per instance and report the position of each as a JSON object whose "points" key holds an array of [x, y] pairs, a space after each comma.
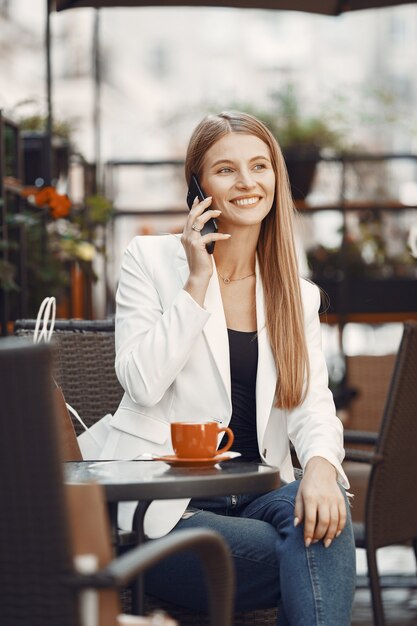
{"points": [[276, 255]]}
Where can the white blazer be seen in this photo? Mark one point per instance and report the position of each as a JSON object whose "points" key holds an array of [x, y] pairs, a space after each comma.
{"points": [[172, 359]]}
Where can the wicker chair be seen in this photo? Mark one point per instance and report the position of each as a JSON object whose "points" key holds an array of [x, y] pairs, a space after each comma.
{"points": [[85, 355], [84, 365], [38, 582], [369, 376], [390, 514]]}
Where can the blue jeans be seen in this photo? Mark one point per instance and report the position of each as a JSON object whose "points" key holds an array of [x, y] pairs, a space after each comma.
{"points": [[312, 586]]}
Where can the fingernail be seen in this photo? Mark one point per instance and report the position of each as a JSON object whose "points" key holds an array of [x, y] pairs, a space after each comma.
{"points": [[195, 199], [315, 541], [327, 543], [217, 211], [226, 235], [307, 542], [339, 532], [296, 522]]}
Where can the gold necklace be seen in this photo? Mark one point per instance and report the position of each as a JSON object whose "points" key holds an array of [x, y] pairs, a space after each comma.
{"points": [[232, 280]]}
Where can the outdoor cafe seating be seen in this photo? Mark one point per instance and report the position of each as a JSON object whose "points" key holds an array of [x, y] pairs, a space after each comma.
{"points": [[389, 468], [390, 515], [56, 562], [94, 392]]}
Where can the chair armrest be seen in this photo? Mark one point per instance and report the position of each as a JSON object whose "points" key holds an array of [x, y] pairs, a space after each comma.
{"points": [[211, 548], [362, 456], [360, 436], [208, 544], [106, 325], [158, 619]]}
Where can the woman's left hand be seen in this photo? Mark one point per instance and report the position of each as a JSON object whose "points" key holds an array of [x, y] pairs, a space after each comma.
{"points": [[320, 503]]}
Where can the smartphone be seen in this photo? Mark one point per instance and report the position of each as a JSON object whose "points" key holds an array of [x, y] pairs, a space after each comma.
{"points": [[194, 190]]}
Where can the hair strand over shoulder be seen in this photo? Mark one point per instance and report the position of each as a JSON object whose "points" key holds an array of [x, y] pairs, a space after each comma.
{"points": [[276, 255]]}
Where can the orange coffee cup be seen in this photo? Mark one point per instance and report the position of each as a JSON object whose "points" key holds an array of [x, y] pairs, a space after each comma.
{"points": [[198, 440]]}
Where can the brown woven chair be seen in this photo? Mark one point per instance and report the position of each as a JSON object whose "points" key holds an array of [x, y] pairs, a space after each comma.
{"points": [[84, 365], [39, 585], [390, 510], [369, 376], [85, 355]]}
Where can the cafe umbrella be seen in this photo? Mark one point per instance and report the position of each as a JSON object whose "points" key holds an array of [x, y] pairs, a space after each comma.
{"points": [[325, 7]]}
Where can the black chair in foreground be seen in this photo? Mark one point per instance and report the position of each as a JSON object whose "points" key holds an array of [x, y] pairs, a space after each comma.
{"points": [[390, 515], [39, 584], [85, 355]]}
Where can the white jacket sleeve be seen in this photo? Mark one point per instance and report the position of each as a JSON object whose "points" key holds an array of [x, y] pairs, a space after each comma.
{"points": [[313, 426], [152, 344]]}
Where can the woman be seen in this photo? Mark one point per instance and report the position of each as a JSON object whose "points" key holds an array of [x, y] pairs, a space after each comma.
{"points": [[235, 336]]}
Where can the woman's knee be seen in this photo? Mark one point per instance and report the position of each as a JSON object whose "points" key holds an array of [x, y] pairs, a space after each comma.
{"points": [[275, 507], [250, 539]]}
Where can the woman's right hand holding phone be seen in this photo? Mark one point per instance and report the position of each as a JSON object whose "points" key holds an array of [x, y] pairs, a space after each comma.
{"points": [[199, 260]]}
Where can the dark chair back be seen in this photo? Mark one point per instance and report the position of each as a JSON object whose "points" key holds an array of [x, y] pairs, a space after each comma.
{"points": [[38, 583], [391, 508], [35, 556], [84, 366]]}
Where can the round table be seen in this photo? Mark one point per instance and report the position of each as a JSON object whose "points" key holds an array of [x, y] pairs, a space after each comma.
{"points": [[145, 481], [155, 480]]}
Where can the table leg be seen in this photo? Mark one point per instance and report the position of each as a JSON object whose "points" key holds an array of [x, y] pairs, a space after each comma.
{"points": [[138, 587], [113, 508]]}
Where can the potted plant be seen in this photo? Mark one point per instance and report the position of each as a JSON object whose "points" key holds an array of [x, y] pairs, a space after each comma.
{"points": [[302, 138], [33, 130], [66, 250], [61, 238], [363, 277]]}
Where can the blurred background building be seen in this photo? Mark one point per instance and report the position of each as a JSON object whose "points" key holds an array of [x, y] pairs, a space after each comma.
{"points": [[162, 69]]}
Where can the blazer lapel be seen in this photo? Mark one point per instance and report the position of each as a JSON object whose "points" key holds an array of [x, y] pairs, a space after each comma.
{"points": [[215, 330], [267, 374]]}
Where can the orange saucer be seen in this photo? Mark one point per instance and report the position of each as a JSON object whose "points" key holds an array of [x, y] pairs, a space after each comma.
{"points": [[172, 459]]}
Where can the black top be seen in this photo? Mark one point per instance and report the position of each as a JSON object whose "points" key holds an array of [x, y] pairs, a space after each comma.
{"points": [[243, 347]]}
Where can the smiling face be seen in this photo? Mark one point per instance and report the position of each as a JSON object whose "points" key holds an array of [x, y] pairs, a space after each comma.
{"points": [[237, 171]]}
